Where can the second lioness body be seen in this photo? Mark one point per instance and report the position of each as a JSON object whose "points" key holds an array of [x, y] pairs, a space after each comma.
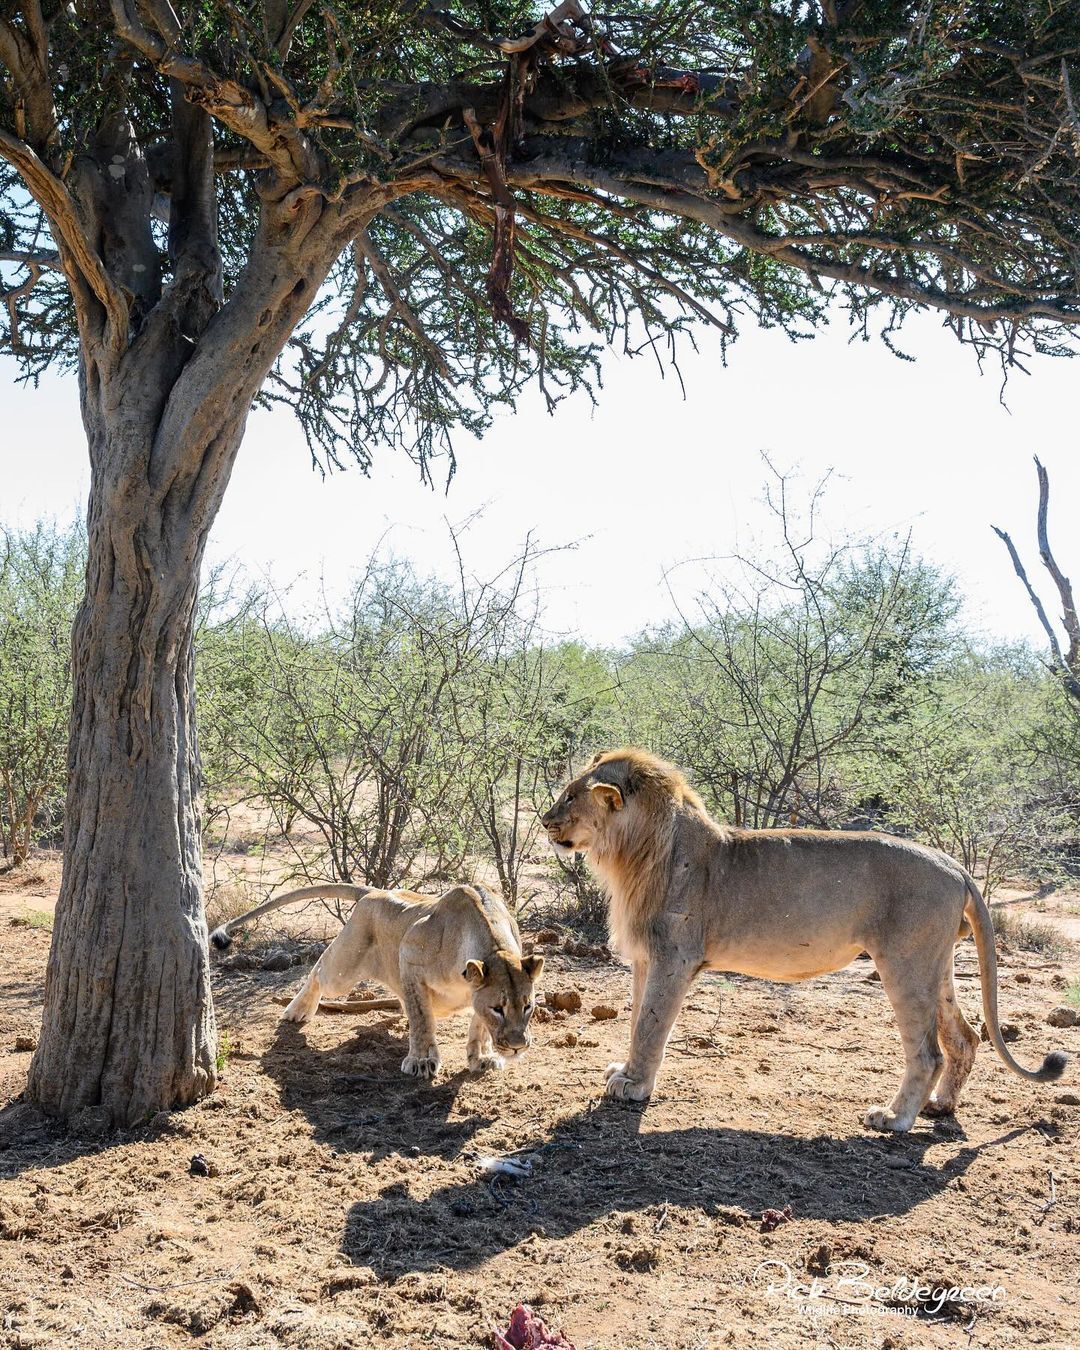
{"points": [[438, 955]]}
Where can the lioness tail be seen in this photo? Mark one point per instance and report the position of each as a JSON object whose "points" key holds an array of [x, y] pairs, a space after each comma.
{"points": [[978, 916], [222, 937]]}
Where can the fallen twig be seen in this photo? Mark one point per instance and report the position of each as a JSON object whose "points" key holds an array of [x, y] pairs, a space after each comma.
{"points": [[354, 1005]]}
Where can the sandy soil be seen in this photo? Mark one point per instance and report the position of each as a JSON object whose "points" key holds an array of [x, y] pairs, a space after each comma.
{"points": [[345, 1208]]}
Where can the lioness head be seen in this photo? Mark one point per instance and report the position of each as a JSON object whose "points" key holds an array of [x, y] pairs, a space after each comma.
{"points": [[616, 783], [504, 996]]}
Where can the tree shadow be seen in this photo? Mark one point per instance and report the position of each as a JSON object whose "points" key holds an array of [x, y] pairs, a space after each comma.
{"points": [[600, 1162], [358, 1100]]}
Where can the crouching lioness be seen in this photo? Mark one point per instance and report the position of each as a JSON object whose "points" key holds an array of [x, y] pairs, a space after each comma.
{"points": [[688, 894], [438, 956]]}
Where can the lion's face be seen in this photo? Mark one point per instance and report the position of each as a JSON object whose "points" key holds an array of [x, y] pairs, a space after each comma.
{"points": [[504, 995], [582, 812]]}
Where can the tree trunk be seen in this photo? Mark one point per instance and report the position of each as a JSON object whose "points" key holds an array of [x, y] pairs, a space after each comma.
{"points": [[129, 1021]]}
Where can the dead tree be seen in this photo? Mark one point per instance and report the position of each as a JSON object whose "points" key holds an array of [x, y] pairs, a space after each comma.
{"points": [[1064, 663]]}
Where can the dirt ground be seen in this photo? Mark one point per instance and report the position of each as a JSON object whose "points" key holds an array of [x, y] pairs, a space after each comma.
{"points": [[345, 1206]]}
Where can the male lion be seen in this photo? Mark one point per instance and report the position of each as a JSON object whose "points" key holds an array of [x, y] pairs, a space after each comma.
{"points": [[689, 894], [438, 956]]}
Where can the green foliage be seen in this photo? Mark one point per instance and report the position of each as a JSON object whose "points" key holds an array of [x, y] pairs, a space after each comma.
{"points": [[415, 732], [783, 669], [958, 770], [41, 584], [685, 163]]}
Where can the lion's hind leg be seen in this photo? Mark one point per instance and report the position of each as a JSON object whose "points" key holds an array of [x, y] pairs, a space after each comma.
{"points": [[958, 1040], [914, 999], [332, 976]]}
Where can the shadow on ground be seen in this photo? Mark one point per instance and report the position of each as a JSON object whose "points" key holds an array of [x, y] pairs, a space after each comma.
{"points": [[358, 1100], [601, 1162]]}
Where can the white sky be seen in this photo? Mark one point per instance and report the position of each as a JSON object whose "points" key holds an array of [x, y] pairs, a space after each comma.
{"points": [[649, 478]]}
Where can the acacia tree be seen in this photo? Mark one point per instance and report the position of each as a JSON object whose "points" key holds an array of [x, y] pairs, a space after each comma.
{"points": [[390, 217]]}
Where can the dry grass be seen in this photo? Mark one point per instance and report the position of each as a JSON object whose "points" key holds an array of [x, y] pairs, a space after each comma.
{"points": [[1027, 934]]}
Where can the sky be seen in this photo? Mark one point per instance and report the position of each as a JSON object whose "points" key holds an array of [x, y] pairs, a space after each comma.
{"points": [[651, 477]]}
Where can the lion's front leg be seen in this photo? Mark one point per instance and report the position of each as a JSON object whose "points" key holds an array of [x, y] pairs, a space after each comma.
{"points": [[479, 1050], [423, 1060], [640, 970], [664, 988]]}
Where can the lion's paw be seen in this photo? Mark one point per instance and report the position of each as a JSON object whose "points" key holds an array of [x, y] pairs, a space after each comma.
{"points": [[421, 1066], [881, 1118], [485, 1063], [298, 1011], [627, 1089], [612, 1069], [935, 1109]]}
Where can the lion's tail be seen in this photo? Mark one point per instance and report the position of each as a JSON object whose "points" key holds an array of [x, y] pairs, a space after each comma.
{"points": [[978, 916], [222, 937]]}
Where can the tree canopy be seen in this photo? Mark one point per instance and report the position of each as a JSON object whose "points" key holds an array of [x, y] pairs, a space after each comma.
{"points": [[486, 194]]}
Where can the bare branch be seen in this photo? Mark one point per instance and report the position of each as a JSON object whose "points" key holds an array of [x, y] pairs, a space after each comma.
{"points": [[1061, 581], [82, 264]]}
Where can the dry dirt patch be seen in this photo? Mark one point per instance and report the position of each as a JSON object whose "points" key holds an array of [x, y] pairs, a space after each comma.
{"points": [[345, 1207]]}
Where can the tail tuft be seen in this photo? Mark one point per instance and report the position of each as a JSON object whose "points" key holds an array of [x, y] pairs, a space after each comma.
{"points": [[1053, 1066], [222, 941]]}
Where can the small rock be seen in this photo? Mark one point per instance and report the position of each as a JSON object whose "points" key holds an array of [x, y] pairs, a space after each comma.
{"points": [[565, 1000], [541, 1015], [547, 935], [277, 960], [1022, 977], [239, 961], [567, 1041], [25, 1043], [198, 1166], [872, 978], [1063, 1016], [603, 1012], [1009, 1032], [1067, 1099]]}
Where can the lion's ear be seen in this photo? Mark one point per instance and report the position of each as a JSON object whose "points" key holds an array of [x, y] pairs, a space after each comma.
{"points": [[609, 794], [475, 972], [532, 966]]}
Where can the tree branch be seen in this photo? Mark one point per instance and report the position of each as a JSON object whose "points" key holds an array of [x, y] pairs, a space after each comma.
{"points": [[1072, 684], [1061, 581], [292, 156], [83, 266]]}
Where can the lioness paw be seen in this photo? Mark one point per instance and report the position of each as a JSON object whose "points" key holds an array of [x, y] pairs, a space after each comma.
{"points": [[613, 1069], [421, 1066], [485, 1063], [299, 1010], [881, 1118], [621, 1085]]}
